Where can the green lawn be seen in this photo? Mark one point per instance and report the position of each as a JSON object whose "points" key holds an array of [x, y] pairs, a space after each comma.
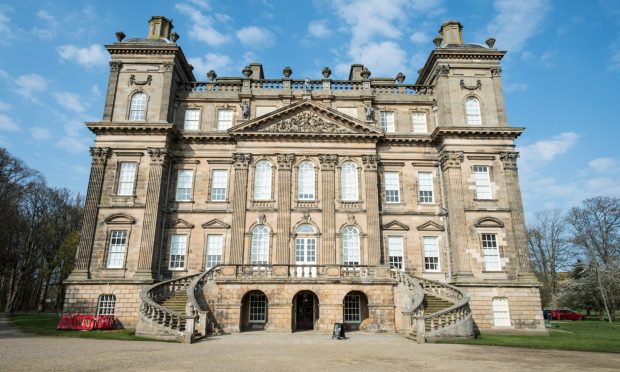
{"points": [[585, 335], [45, 324]]}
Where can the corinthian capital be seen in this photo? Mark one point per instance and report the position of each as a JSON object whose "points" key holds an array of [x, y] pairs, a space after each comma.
{"points": [[370, 162], [285, 161], [328, 162], [99, 154], [241, 161], [451, 159], [509, 159], [158, 155]]}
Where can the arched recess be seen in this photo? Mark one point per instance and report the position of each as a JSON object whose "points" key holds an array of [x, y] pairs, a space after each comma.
{"points": [[489, 222], [120, 219], [354, 309], [254, 311], [305, 311]]}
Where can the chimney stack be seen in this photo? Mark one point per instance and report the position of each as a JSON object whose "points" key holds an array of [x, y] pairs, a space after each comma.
{"points": [[159, 27], [451, 33]]}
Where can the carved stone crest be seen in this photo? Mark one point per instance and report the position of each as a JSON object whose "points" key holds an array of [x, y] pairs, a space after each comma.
{"points": [[305, 122]]}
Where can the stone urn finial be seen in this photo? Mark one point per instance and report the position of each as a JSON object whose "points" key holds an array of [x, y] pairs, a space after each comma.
{"points": [[365, 73], [211, 75], [400, 77], [174, 37], [120, 36], [287, 72], [490, 42], [437, 40], [326, 72], [247, 71]]}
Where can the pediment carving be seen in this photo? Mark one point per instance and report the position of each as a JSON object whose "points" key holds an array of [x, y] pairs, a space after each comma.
{"points": [[395, 225], [430, 226], [120, 219], [489, 222], [305, 122], [215, 224], [179, 224]]}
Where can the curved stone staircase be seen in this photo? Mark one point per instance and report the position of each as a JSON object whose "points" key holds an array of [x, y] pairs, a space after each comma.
{"points": [[437, 310]]}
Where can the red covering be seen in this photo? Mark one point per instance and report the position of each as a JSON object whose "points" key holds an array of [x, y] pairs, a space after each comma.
{"points": [[84, 322], [104, 322], [65, 322]]}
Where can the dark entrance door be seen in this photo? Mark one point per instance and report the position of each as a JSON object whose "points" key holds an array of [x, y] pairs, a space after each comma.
{"points": [[304, 317]]}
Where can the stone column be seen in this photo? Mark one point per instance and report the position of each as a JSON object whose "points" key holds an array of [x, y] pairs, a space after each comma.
{"points": [[372, 209], [328, 204], [285, 162], [241, 161], [85, 246], [509, 160], [151, 225], [455, 200], [110, 99]]}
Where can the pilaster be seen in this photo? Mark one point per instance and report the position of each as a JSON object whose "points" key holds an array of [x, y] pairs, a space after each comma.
{"points": [[496, 74], [328, 200], [166, 98], [372, 208], [241, 162], [285, 162]]}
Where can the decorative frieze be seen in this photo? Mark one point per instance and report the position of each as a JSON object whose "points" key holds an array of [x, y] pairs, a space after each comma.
{"points": [[305, 122]]}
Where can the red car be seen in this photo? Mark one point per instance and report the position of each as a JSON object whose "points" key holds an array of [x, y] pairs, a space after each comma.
{"points": [[562, 314]]}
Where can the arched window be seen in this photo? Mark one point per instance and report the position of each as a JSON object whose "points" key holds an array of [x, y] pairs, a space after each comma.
{"points": [[501, 313], [305, 245], [348, 181], [350, 246], [472, 111], [260, 245], [262, 181], [305, 181], [137, 109], [106, 304]]}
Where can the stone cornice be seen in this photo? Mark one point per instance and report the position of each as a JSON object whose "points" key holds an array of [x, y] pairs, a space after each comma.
{"points": [[151, 49], [195, 138], [413, 138], [102, 127], [456, 54], [476, 132]]}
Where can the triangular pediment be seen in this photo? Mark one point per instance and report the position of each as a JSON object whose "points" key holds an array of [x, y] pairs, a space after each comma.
{"points": [[215, 224], [430, 226], [179, 224], [305, 118], [395, 225]]}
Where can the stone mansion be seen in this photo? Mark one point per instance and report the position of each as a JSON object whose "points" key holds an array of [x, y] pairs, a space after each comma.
{"points": [[252, 203]]}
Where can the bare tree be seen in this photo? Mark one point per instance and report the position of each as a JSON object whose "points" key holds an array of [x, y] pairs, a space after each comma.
{"points": [[595, 227], [550, 251]]}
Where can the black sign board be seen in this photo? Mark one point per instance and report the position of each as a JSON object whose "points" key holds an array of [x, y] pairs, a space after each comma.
{"points": [[338, 331]]}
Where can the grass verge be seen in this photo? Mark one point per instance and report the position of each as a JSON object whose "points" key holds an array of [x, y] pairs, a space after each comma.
{"points": [[563, 335]]}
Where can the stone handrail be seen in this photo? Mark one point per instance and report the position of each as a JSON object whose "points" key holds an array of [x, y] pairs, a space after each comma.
{"points": [[415, 309], [303, 272], [198, 282]]}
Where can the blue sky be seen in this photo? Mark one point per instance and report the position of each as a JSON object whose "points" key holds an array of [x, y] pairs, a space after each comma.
{"points": [[561, 74]]}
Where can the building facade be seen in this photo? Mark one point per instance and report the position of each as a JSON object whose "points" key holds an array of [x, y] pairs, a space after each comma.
{"points": [[243, 203]]}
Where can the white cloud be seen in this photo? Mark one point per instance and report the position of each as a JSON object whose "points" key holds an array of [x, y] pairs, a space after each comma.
{"points": [[202, 26], [603, 165], [201, 4], [419, 37], [319, 28], [4, 106], [74, 140], [70, 101], [382, 59], [29, 85], [516, 22], [40, 134], [220, 63], [255, 37], [50, 27], [5, 22], [547, 150], [6, 123], [92, 55]]}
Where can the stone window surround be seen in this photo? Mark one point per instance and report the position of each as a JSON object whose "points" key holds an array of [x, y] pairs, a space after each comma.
{"points": [[146, 105], [439, 252], [183, 164], [403, 235], [193, 106], [216, 230], [338, 180], [401, 189], [503, 299], [248, 244], [491, 169], [106, 250], [274, 171], [122, 158], [210, 186], [434, 179], [481, 106], [295, 180], [217, 115], [428, 119], [168, 239], [393, 111], [500, 238], [339, 247]]}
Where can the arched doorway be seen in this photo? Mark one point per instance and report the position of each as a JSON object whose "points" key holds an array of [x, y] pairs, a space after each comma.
{"points": [[305, 311], [254, 312], [355, 309]]}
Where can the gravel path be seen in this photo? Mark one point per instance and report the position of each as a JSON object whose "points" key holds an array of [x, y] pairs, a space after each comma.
{"points": [[288, 352]]}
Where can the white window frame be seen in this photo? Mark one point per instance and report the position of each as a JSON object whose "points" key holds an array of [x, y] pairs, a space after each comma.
{"points": [[391, 181], [257, 308], [473, 115], [259, 254], [117, 248], [352, 308], [490, 252], [349, 188], [430, 246], [185, 181], [192, 119], [263, 171], [425, 188], [350, 236], [419, 122], [305, 245], [106, 304], [306, 178], [395, 246], [387, 121], [215, 246], [127, 172], [225, 119], [482, 179], [137, 107], [501, 312], [178, 252], [219, 185]]}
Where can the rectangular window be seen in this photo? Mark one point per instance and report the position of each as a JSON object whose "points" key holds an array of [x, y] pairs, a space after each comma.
{"points": [[126, 178], [392, 187], [178, 249], [352, 308], [117, 249], [184, 185], [490, 251], [501, 313], [192, 119], [431, 253], [106, 305], [219, 185], [418, 122], [258, 308], [387, 121], [214, 250], [395, 251], [483, 182], [224, 119], [425, 187]]}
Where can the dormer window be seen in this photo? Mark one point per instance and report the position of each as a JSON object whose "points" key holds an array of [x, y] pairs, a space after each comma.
{"points": [[137, 109], [472, 111]]}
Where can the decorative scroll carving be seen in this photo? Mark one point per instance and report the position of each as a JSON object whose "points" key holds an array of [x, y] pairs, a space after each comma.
{"points": [[496, 71], [115, 66], [99, 154], [328, 162], [471, 87], [158, 155], [509, 159], [451, 159], [370, 162], [285, 161], [241, 161], [443, 70], [305, 122], [132, 80]]}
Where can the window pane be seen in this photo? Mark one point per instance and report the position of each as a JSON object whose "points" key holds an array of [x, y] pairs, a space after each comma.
{"points": [[483, 182], [350, 246], [116, 249], [192, 119], [305, 181], [352, 308], [501, 313], [184, 185], [392, 187], [262, 181], [219, 185], [214, 250], [260, 245], [472, 111], [257, 308], [418, 122], [305, 251], [224, 119], [490, 251], [431, 253], [106, 304], [178, 246], [395, 251], [387, 121], [138, 107], [425, 187], [348, 182], [127, 178]]}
